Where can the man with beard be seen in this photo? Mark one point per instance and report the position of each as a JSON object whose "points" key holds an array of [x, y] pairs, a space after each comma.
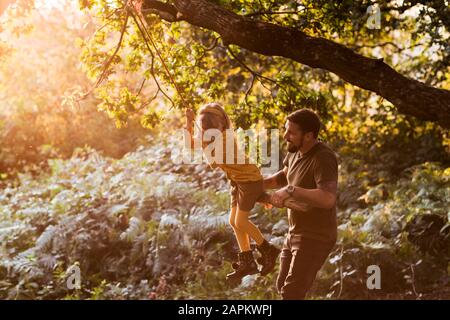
{"points": [[309, 176]]}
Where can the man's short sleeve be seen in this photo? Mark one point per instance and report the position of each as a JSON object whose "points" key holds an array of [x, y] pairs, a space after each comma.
{"points": [[286, 160], [325, 167]]}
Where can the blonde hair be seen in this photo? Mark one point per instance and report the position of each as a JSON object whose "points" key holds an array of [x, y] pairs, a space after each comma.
{"points": [[215, 114]]}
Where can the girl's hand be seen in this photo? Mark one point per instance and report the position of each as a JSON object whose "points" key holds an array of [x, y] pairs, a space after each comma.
{"points": [[190, 115], [264, 199], [267, 205]]}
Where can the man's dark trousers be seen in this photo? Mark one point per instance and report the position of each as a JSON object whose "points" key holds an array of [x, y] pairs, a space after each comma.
{"points": [[300, 260]]}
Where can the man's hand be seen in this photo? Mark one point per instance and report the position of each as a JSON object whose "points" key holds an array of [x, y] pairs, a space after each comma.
{"points": [[278, 197]]}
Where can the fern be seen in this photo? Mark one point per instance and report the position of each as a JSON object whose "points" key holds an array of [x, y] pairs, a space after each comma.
{"points": [[136, 227], [44, 242]]}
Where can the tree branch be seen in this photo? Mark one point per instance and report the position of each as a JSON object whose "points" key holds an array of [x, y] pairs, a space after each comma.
{"points": [[116, 50], [258, 75], [261, 13], [409, 96], [166, 11], [144, 35]]}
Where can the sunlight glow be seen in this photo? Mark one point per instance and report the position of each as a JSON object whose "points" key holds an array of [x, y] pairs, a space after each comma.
{"points": [[52, 3]]}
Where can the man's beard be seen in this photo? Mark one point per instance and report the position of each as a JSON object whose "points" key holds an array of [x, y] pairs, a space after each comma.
{"points": [[292, 147]]}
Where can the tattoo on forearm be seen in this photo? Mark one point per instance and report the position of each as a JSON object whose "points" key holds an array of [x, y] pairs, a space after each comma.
{"points": [[329, 186]]}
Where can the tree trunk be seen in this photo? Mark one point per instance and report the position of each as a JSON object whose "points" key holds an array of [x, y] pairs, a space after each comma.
{"points": [[408, 95]]}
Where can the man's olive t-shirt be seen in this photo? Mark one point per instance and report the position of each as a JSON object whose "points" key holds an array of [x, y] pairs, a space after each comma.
{"points": [[307, 171]]}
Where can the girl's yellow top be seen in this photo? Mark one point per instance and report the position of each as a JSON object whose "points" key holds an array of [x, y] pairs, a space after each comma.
{"points": [[239, 172]]}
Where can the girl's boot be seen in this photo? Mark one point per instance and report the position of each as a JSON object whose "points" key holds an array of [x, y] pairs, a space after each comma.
{"points": [[269, 255], [246, 265]]}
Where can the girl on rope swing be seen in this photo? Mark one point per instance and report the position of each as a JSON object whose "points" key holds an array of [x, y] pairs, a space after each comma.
{"points": [[246, 184]]}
